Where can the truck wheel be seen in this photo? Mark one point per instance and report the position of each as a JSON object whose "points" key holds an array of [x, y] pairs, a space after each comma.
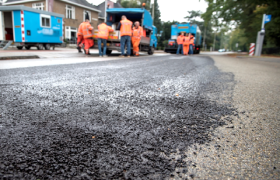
{"points": [[151, 50], [27, 47], [40, 47], [47, 47], [19, 47], [108, 52]]}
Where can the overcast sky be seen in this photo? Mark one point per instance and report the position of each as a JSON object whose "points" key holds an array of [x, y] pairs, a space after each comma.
{"points": [[173, 9]]}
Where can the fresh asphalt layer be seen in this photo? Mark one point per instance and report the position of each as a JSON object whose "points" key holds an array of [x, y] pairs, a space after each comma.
{"points": [[132, 118]]}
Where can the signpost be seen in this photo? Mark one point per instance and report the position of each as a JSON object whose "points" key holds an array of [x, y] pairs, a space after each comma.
{"points": [[260, 37]]}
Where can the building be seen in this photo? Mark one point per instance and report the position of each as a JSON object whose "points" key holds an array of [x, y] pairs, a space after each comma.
{"points": [[73, 10], [101, 8]]}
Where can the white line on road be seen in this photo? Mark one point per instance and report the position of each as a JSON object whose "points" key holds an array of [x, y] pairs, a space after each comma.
{"points": [[23, 63], [182, 57], [12, 64]]}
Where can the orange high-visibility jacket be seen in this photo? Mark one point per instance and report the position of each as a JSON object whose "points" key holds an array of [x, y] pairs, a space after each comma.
{"points": [[103, 31], [87, 30], [186, 41], [126, 27], [80, 30], [137, 33], [192, 40], [180, 39]]}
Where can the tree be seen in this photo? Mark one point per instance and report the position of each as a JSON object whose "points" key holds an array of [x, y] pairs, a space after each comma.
{"points": [[207, 26], [166, 28], [157, 20], [246, 15], [135, 4]]}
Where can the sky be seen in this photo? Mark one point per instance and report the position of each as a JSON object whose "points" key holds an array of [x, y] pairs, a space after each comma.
{"points": [[176, 10]]}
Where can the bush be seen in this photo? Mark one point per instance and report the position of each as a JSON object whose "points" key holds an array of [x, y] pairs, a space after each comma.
{"points": [[271, 50]]}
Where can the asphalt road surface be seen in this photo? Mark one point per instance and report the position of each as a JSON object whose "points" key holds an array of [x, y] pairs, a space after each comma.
{"points": [[152, 117]]}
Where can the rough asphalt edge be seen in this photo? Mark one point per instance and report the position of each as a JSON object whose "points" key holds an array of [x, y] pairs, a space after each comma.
{"points": [[180, 161]]}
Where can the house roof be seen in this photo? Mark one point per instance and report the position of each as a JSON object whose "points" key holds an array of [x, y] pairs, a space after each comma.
{"points": [[101, 8], [81, 3]]}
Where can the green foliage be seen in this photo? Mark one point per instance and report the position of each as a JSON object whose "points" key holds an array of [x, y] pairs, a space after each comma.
{"points": [[166, 28], [239, 36], [157, 20], [136, 4], [246, 15]]}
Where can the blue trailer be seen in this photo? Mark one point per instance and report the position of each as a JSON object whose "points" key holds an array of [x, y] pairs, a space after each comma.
{"points": [[177, 29], [148, 41], [27, 27]]}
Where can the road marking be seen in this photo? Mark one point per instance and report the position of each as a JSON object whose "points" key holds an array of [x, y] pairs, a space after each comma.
{"points": [[182, 57], [161, 54]]}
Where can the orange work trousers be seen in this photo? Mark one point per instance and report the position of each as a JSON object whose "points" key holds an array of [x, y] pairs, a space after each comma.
{"points": [[88, 43], [186, 49], [80, 40], [135, 44]]}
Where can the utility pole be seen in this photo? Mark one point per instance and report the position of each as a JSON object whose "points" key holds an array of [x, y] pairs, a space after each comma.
{"points": [[221, 41], [204, 37], [154, 12], [214, 42], [105, 16]]}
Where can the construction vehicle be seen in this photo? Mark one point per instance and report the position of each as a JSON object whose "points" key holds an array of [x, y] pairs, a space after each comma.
{"points": [[148, 41], [176, 30], [28, 27]]}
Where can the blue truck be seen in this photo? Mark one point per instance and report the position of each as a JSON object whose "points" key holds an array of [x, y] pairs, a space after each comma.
{"points": [[148, 41], [177, 29], [26, 27]]}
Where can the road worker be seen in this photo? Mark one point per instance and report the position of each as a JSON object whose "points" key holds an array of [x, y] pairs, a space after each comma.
{"points": [[180, 43], [125, 27], [137, 32], [102, 36], [87, 33], [80, 38], [191, 44], [186, 42]]}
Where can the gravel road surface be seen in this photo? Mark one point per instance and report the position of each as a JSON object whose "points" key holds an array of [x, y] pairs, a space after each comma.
{"points": [[160, 117]]}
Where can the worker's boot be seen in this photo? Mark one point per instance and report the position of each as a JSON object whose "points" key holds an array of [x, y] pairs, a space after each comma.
{"points": [[87, 52], [79, 49]]}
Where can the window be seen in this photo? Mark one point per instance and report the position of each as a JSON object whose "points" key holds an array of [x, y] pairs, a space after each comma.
{"points": [[45, 21], [89, 14], [70, 12], [39, 6], [70, 33]]}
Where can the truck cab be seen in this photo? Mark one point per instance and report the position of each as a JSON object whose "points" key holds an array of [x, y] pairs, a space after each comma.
{"points": [[177, 29], [148, 41]]}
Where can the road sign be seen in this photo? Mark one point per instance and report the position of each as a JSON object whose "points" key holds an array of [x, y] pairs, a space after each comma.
{"points": [[267, 19]]}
